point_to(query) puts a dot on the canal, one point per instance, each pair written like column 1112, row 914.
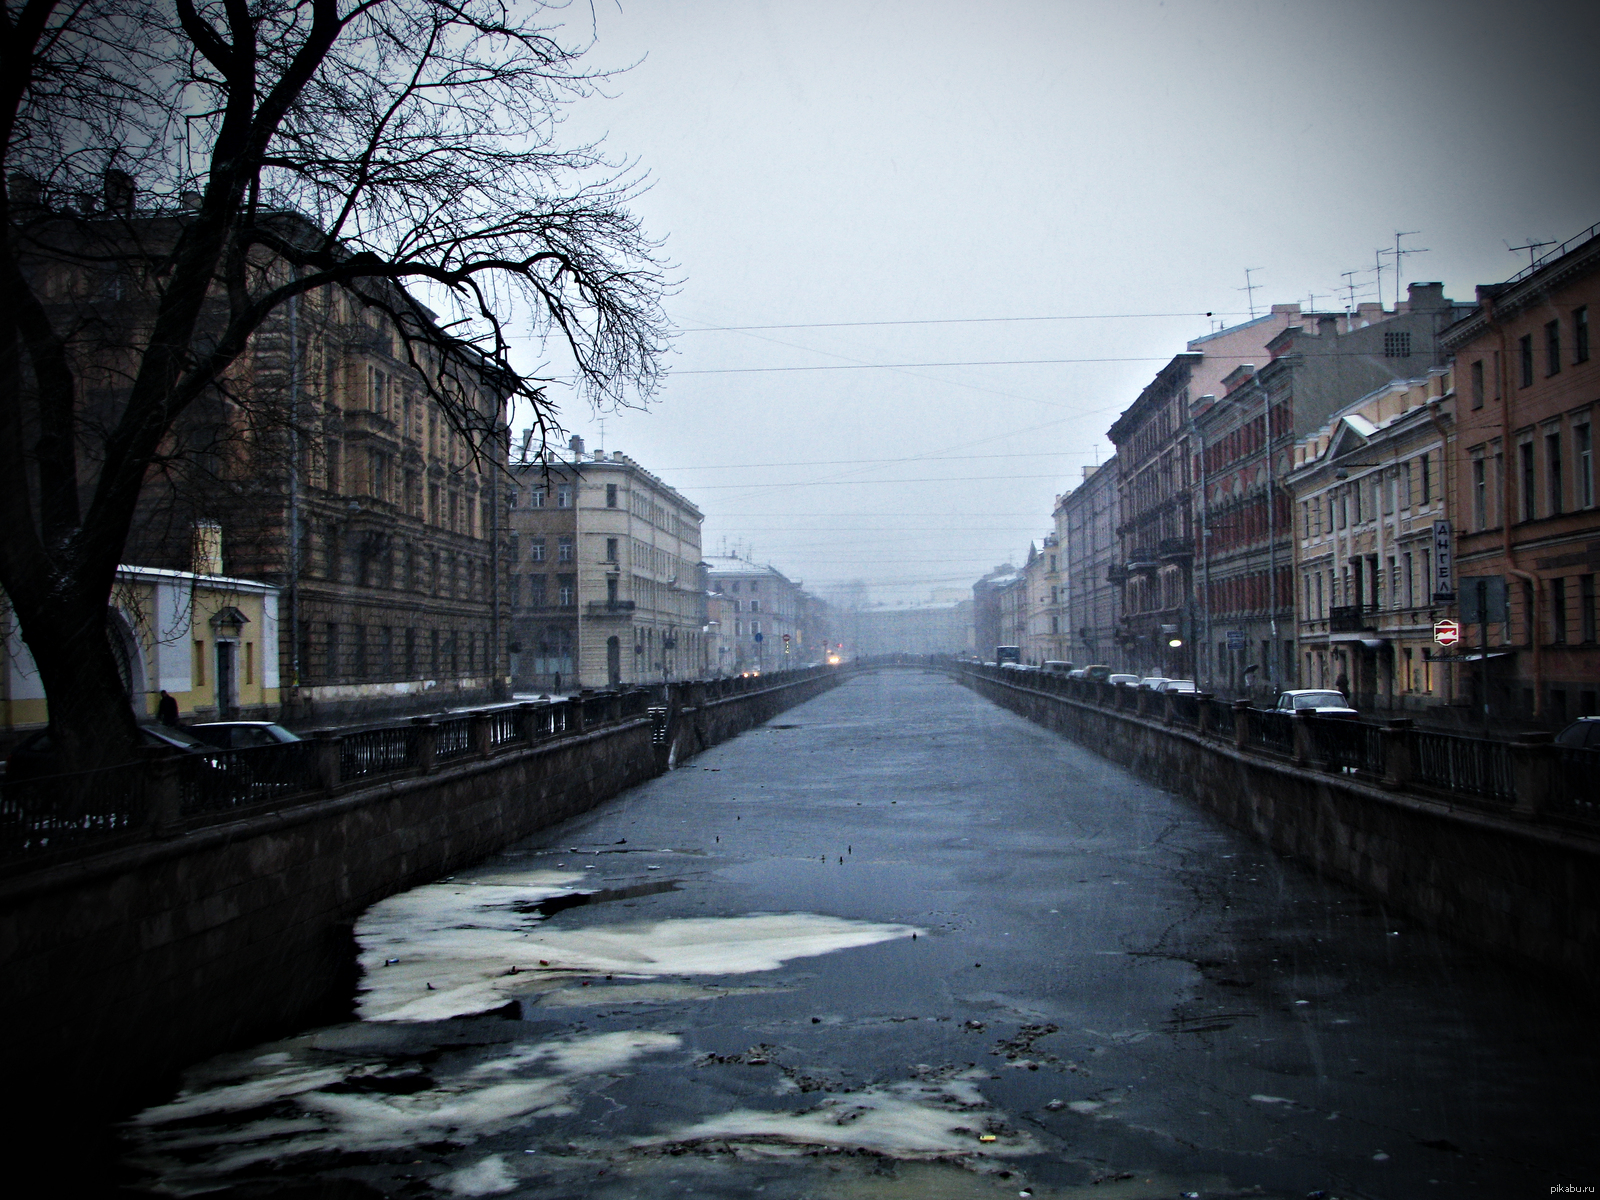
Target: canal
column 897, row 943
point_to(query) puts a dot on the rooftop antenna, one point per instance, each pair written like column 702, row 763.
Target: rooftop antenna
column 1311, row 302
column 1532, row 247
column 602, row 435
column 1377, row 266
column 1249, row 289
column 1349, row 278
column 1399, row 257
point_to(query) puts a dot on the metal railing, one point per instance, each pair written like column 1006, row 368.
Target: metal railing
column 43, row 818
column 1454, row 763
column 1529, row 779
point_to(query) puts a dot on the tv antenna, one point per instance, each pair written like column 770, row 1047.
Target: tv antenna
column 1349, row 278
column 1249, row 288
column 1532, row 247
column 1399, row 256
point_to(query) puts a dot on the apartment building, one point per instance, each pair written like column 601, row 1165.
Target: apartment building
column 1372, row 541
column 606, row 584
column 768, row 621
column 1244, row 438
column 1523, row 483
column 1086, row 539
column 1044, row 636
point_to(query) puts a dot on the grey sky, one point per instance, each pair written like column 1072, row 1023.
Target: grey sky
column 848, row 162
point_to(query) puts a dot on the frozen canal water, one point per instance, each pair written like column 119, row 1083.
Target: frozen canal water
column 899, row 943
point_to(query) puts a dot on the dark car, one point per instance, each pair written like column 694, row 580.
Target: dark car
column 1582, row 734
column 35, row 756
column 242, row 735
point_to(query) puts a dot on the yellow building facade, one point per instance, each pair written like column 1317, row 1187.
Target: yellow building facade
column 209, row 641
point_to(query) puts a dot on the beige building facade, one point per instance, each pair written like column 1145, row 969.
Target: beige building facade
column 1373, row 538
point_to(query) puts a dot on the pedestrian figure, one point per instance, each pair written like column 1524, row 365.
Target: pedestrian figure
column 167, row 709
column 557, row 687
column 1343, row 684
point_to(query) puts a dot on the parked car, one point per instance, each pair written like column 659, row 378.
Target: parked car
column 35, row 756
column 1184, row 686
column 1055, row 666
column 1097, row 673
column 242, row 735
column 1582, row 734
column 1323, row 703
column 1151, row 682
column 1075, row 674
column 1130, row 680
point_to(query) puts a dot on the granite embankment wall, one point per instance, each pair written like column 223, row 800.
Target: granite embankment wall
column 121, row 967
column 1521, row 889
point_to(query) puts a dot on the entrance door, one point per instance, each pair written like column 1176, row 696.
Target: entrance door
column 227, row 680
column 614, row 660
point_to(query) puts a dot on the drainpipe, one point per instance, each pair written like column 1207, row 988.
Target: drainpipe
column 293, row 556
column 1505, row 520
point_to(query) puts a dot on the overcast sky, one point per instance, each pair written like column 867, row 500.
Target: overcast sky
column 1119, row 164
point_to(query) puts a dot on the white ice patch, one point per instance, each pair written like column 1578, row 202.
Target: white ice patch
column 287, row 1110
column 490, row 1177
column 918, row 1119
column 453, row 949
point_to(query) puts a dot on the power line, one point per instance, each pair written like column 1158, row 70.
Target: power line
column 846, row 462
column 954, row 321
column 997, row 362
column 709, row 487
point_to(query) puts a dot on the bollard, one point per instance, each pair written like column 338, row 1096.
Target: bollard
column 1533, row 761
column 525, row 718
column 1202, row 713
column 328, row 746
column 163, row 798
column 1241, row 724
column 1305, row 746
column 427, row 744
column 478, row 733
column 1397, row 740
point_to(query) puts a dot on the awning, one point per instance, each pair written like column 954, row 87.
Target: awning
column 1475, row 656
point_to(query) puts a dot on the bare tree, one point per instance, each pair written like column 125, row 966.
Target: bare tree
column 180, row 169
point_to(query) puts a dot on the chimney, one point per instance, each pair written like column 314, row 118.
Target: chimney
column 576, row 446
column 1328, row 327
column 205, row 548
column 22, row 189
column 1426, row 297
column 117, row 192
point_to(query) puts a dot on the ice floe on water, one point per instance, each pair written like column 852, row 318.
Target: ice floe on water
column 238, row 1111
column 452, row 949
column 941, row 1115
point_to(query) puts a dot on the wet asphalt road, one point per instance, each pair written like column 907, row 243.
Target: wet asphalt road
column 1129, row 999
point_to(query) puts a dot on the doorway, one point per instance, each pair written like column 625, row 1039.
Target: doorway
column 227, row 680
column 613, row 660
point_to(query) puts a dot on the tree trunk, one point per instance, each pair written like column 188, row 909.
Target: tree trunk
column 92, row 723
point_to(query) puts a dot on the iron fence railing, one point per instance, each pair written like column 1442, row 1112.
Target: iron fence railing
column 1272, row 730
column 1341, row 745
column 87, row 811
column 1575, row 782
column 1463, row 764
column 1186, row 710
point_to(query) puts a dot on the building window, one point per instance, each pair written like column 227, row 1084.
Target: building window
column 564, row 496
column 1477, row 383
column 1480, row 494
column 1558, row 611
column 536, row 550
column 1552, row 471
column 1427, row 479
column 1586, row 612
column 611, row 544
column 755, row 606
column 536, row 594
column 1525, row 347
column 755, row 585
column 1580, row 334
column 611, row 495
column 1397, row 345
column 566, row 586
column 1552, row 348
column 755, row 627
column 1529, row 492
column 564, row 549
column 1584, row 453
column 536, row 498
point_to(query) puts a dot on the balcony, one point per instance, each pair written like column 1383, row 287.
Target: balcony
column 1174, row 549
column 1349, row 618
column 609, row 608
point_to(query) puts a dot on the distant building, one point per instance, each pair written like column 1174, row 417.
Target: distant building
column 606, row 582
column 1523, row 484
column 1086, row 538
column 1370, row 511
column 1042, row 638
column 1154, row 440
column 942, row 628
column 994, row 611
column 764, row 626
